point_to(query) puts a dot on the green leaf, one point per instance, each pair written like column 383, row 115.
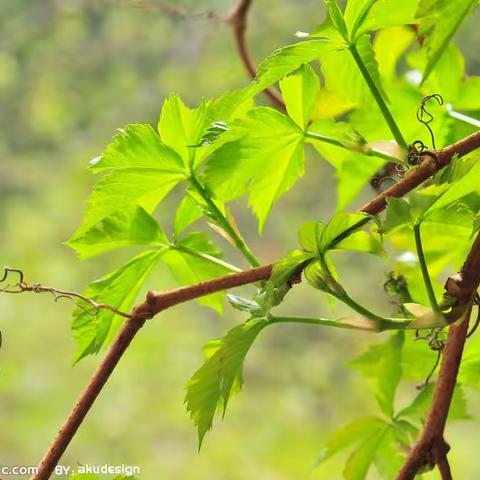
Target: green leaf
column 462, row 187
column 340, row 226
column 438, row 21
column 137, row 146
column 188, row 212
column 195, row 259
column 181, row 127
column 389, row 457
column 343, row 76
column 389, row 373
column 211, row 386
column 362, row 242
column 398, row 215
column 123, row 228
column 143, row 171
column 360, row 460
column 386, row 13
column 284, row 61
column 354, row 173
column 468, row 97
column 284, row 270
column 348, row 436
column 420, row 405
column 337, row 19
column 389, row 46
column 268, row 159
column 119, row 289
column 300, row 91
column 308, row 235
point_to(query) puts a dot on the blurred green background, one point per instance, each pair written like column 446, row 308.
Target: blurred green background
column 71, row 72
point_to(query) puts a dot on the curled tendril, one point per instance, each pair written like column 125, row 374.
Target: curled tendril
column 436, row 342
column 425, row 117
column 79, row 300
column 476, row 301
column 377, row 182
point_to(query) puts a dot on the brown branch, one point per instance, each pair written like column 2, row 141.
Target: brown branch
column 237, row 19
column 159, row 301
column 431, row 448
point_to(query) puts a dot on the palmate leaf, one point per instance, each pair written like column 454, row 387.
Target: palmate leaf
column 300, row 91
column 194, row 259
column 91, row 329
column 389, row 373
column 348, row 436
column 359, row 462
column 267, row 160
column 284, row 61
column 181, row 128
column 142, row 171
column 438, row 21
column 128, row 226
column 342, row 74
column 384, row 13
column 211, row 386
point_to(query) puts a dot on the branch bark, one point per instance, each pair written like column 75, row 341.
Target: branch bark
column 159, row 301
column 237, row 19
column 431, row 448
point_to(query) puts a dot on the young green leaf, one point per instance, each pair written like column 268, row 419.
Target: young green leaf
column 142, row 171
column 348, row 436
column 181, row 128
column 344, row 76
column 123, row 228
column 284, row 269
column 188, row 212
column 337, row 19
column 308, row 235
column 399, row 215
column 438, row 21
column 119, row 289
column 137, row 146
column 195, row 259
column 340, row 226
column 386, row 13
column 211, row 386
column 389, row 373
column 361, row 459
column 269, row 159
column 300, row 91
column 284, row 61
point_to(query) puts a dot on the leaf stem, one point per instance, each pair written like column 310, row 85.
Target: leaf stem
column 206, row 256
column 223, row 221
column 370, row 152
column 392, row 125
column 376, row 325
column 423, row 267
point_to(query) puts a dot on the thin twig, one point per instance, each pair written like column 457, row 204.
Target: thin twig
column 159, row 301
column 237, row 19
column 22, row 287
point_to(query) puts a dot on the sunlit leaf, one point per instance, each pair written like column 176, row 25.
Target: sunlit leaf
column 349, row 436
column 438, row 21
column 194, row 259
column 389, row 373
column 211, row 387
column 300, row 91
column 123, row 228
column 92, row 329
column 267, row 160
